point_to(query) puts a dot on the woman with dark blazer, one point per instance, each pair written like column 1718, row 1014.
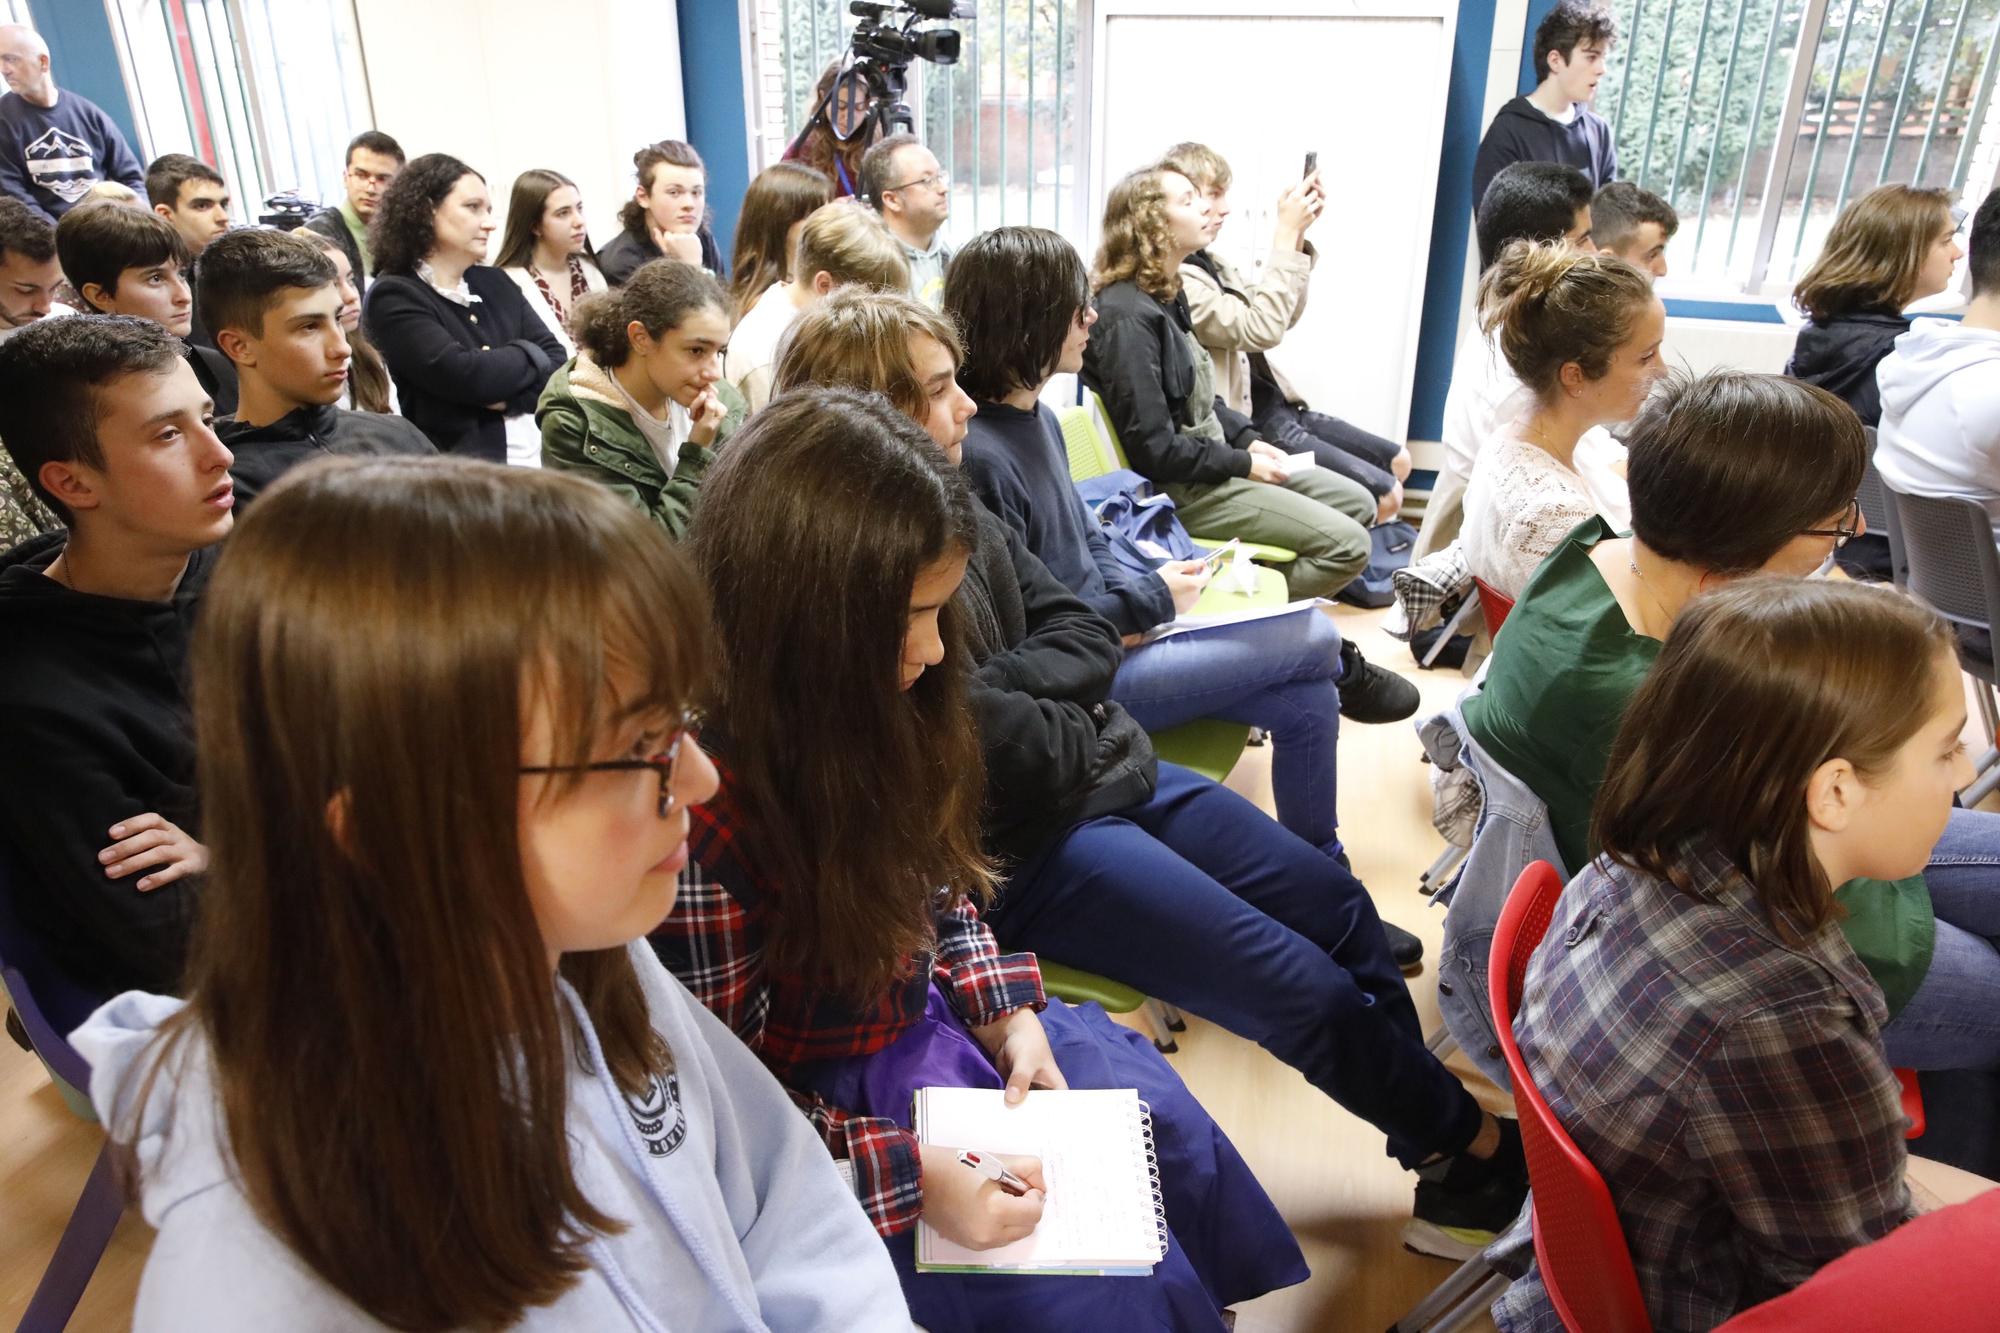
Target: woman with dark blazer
column 468, row 354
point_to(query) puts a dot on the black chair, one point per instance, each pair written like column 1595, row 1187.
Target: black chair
column 49, row 1006
column 1947, row 555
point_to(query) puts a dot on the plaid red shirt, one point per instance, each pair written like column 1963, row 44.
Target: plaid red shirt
column 1730, row 1088
column 715, row 943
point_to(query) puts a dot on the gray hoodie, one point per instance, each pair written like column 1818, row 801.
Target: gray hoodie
column 737, row 1218
column 1940, row 431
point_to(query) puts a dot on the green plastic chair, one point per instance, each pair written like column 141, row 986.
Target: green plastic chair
column 1074, row 986
column 1093, row 452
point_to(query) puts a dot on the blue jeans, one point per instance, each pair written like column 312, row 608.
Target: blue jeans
column 1196, row 897
column 1953, row 1020
column 1278, row 674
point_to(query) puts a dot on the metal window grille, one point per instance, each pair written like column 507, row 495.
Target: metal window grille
column 1759, row 119
column 16, row 11
column 267, row 91
column 1005, row 121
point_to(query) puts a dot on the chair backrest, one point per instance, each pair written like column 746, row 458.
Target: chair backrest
column 1953, row 564
column 49, row 1004
column 1493, row 606
column 1087, row 455
column 1579, row 1243
column 1106, row 432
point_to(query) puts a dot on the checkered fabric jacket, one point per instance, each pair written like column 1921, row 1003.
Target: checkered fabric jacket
column 1731, row 1089
column 715, row 943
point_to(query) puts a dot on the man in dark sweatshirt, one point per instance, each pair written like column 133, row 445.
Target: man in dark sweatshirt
column 54, row 145
column 276, row 310
column 97, row 801
column 1554, row 123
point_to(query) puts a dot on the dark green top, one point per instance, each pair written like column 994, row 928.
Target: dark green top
column 1561, row 673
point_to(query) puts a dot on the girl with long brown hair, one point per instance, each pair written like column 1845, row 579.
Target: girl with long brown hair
column 832, row 915
column 1794, row 736
column 767, row 230
column 428, row 1074
column 1894, row 245
column 546, row 249
column 667, row 215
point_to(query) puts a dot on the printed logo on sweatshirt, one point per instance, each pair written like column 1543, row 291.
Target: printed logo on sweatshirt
column 60, row 163
column 659, row 1116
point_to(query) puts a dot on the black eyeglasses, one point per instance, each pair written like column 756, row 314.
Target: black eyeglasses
column 1850, row 527
column 667, row 763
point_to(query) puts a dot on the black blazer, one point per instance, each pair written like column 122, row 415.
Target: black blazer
column 451, row 363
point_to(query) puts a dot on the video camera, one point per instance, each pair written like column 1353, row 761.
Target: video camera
column 867, row 99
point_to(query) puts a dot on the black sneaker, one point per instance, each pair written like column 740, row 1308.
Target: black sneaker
column 1463, row 1203
column 1405, row 948
column 1370, row 694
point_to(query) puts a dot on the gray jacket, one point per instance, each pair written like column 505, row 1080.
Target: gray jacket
column 1512, row 832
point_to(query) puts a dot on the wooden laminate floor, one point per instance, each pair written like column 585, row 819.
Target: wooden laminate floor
column 1346, row 1201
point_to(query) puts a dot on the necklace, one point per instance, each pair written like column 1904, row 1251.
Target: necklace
column 1659, row 603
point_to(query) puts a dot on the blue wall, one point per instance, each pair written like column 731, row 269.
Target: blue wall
column 712, row 84
column 1530, row 76
column 1451, row 218
column 85, row 60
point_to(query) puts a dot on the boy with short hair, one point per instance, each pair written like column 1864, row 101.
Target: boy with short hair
column 1633, row 224
column 109, row 425
column 125, row 262
column 29, row 277
column 1553, row 123
column 191, row 195
column 275, row 302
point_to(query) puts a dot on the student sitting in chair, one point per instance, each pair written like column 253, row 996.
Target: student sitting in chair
column 1134, row 869
column 1634, row 225
column 274, row 303
column 1159, row 390
column 97, row 800
column 428, row 1074
column 1793, row 736
column 1241, row 323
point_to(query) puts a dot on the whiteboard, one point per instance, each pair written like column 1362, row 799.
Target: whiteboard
column 1363, row 83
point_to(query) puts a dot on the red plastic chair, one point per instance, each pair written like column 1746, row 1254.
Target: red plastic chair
column 1493, row 606
column 1578, row 1241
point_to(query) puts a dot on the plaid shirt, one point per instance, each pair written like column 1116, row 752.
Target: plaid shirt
column 715, row 943
column 1732, row 1090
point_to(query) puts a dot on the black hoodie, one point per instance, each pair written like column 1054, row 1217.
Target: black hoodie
column 1841, row 355
column 94, row 728
column 265, row 453
column 1523, row 132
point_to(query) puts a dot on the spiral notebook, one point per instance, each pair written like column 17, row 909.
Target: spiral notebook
column 1103, row 1215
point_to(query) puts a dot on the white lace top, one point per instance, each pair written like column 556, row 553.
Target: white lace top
column 1519, row 505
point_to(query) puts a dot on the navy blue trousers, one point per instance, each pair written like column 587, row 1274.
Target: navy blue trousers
column 1199, row 898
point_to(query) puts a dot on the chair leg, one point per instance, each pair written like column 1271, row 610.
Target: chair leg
column 91, row 1223
column 1475, row 1307
column 1468, row 609
column 1157, row 1012
column 1450, row 1295
column 1440, row 870
column 1441, row 1043
column 1172, row 1016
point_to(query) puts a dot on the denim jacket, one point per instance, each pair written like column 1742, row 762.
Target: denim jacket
column 1512, row 832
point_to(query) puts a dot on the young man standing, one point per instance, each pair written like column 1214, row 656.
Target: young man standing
column 125, row 262
column 275, row 302
column 1940, row 429
column 373, row 159
column 1633, row 224
column 1554, row 123
column 97, row 803
column 904, row 182
column 192, row 196
column 54, row 145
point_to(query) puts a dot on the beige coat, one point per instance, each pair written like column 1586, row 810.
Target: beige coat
column 1232, row 326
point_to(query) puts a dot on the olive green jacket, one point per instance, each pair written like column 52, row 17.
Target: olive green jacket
column 587, row 429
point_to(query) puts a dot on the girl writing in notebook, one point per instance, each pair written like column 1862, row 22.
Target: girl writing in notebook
column 428, row 1074
column 831, row 915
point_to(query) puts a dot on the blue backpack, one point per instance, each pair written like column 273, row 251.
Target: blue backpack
column 1141, row 524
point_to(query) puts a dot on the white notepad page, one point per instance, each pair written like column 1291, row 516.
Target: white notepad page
column 1102, row 1213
